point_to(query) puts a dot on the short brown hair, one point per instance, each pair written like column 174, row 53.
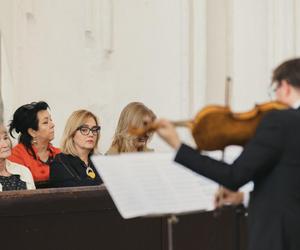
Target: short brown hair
column 76, row 120
column 289, row 71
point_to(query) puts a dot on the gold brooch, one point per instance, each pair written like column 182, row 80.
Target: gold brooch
column 90, row 172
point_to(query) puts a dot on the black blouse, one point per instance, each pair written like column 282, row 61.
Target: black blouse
column 70, row 171
column 12, row 182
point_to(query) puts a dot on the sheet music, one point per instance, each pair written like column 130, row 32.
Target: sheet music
column 153, row 184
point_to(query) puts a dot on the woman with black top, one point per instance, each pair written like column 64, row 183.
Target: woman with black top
column 73, row 167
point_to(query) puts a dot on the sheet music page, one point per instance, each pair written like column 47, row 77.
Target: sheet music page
column 153, row 184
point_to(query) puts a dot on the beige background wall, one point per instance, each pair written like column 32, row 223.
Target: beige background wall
column 173, row 55
column 246, row 40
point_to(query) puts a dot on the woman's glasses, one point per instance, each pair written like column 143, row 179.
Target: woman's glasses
column 272, row 90
column 85, row 130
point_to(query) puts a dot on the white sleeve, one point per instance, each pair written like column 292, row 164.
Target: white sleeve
column 28, row 179
column 246, row 189
column 24, row 172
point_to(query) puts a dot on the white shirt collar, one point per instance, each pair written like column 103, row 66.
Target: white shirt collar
column 296, row 104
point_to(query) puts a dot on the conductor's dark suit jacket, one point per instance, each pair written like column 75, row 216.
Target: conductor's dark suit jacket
column 272, row 160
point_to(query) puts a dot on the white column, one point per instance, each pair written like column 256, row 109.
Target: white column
column 198, row 55
column 297, row 26
column 218, row 37
column 193, row 61
column 250, row 53
column 282, row 30
column 246, row 39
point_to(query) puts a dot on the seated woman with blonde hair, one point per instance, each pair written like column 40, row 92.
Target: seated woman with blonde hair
column 73, row 167
column 13, row 176
column 137, row 115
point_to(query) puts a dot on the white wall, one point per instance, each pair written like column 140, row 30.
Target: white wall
column 99, row 55
column 250, row 73
column 246, row 40
column 173, row 55
column 217, row 50
column 297, row 25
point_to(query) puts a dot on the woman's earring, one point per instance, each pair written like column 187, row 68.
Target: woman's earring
column 34, row 141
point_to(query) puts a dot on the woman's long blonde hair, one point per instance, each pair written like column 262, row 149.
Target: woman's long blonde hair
column 131, row 115
column 76, row 120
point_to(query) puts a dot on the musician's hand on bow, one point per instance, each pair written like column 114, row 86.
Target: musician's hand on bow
column 225, row 196
column 166, row 130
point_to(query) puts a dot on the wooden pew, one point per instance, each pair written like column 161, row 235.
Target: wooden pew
column 86, row 218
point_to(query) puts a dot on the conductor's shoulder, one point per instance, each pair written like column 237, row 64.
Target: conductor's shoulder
column 279, row 116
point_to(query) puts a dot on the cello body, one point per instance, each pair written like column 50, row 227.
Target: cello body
column 216, row 127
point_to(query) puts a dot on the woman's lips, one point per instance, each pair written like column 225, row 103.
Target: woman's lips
column 5, row 150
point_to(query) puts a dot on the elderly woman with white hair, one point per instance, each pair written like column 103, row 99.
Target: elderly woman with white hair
column 13, row 176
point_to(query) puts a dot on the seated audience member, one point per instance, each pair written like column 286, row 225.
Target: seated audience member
column 137, row 115
column 12, row 176
column 35, row 127
column 73, row 167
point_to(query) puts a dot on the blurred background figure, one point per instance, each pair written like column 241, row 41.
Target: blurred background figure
column 135, row 115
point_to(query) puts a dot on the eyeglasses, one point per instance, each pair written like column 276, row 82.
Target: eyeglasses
column 272, row 90
column 84, row 130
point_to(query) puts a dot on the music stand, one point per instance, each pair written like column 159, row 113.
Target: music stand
column 152, row 184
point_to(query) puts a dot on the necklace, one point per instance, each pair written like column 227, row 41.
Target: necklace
column 90, row 172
